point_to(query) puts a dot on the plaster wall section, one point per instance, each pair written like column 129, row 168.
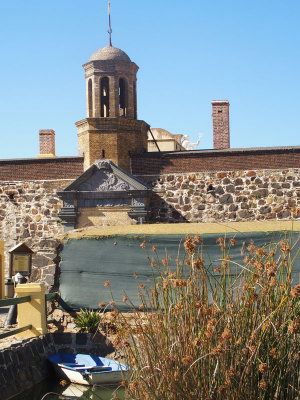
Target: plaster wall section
column 232, row 196
column 96, row 97
column 113, row 96
column 103, row 216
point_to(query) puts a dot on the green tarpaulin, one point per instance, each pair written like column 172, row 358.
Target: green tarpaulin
column 87, row 263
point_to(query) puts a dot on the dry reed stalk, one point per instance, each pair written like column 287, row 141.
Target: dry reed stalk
column 234, row 335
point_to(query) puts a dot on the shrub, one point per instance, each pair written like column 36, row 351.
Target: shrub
column 229, row 333
column 88, row 321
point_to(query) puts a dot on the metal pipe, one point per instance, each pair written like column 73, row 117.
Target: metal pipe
column 154, row 139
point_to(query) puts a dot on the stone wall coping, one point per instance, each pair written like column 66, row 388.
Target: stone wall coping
column 15, row 181
column 196, row 173
column 184, row 153
column 184, row 228
column 220, row 101
column 39, row 160
column 31, row 288
column 111, row 122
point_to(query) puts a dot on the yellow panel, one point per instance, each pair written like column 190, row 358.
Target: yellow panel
column 33, row 312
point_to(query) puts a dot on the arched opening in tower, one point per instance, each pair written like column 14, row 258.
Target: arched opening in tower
column 122, row 98
column 104, row 94
column 90, row 98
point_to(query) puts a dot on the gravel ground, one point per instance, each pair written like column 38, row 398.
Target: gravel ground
column 6, row 342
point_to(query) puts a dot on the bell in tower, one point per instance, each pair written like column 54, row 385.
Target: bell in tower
column 111, row 129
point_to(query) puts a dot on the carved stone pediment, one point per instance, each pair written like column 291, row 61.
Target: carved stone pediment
column 104, row 184
column 104, row 179
column 105, row 176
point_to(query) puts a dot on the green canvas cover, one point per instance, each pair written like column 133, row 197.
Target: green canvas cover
column 87, row 263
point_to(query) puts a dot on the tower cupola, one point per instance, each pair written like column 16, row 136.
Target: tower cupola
column 111, row 84
column 111, row 129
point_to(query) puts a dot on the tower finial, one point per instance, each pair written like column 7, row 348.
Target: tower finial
column 109, row 26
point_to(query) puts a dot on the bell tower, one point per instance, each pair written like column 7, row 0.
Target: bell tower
column 111, row 129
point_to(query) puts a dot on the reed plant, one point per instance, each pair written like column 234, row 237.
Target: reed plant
column 230, row 331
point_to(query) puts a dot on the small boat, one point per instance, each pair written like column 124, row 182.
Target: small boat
column 74, row 391
column 86, row 369
column 84, row 392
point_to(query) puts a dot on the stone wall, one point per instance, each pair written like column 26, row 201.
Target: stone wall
column 24, row 364
column 29, row 209
column 226, row 196
column 29, row 213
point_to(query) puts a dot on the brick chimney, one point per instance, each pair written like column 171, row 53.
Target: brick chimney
column 47, row 143
column 220, row 117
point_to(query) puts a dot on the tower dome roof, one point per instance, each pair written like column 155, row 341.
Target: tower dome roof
column 110, row 53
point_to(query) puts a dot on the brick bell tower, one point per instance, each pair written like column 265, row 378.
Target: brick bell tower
column 111, row 129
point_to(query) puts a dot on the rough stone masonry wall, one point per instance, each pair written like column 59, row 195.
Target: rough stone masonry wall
column 29, row 209
column 24, row 364
column 29, row 213
column 226, row 196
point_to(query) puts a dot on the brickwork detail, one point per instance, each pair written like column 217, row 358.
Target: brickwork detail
column 111, row 138
column 220, row 117
column 41, row 168
column 252, row 195
column 47, row 142
column 215, row 160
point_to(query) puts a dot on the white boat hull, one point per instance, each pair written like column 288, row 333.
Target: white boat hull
column 110, row 372
column 89, row 378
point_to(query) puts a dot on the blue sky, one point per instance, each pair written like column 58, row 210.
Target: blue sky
column 189, row 53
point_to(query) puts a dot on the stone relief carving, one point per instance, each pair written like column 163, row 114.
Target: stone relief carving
column 138, row 202
column 68, row 204
column 103, row 164
column 103, row 202
column 104, row 180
